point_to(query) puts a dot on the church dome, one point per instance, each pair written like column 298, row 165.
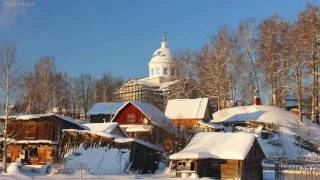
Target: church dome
column 161, row 63
column 162, row 54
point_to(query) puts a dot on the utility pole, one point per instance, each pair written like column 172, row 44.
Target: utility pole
column 111, row 112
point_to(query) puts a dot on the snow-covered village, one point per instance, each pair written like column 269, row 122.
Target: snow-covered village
column 159, row 90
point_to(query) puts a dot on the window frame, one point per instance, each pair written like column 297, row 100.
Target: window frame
column 165, row 71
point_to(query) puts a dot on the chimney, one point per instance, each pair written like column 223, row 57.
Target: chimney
column 256, row 98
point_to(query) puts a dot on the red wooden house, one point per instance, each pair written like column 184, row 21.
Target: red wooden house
column 145, row 121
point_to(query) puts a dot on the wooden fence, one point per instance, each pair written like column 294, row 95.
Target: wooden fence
column 297, row 172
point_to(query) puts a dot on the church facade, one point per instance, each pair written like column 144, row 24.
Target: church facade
column 163, row 72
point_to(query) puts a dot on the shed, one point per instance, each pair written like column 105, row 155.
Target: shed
column 143, row 156
column 221, row 156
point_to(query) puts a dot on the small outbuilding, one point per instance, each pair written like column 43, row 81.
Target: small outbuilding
column 221, row 156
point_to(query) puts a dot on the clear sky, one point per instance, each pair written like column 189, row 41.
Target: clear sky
column 120, row 36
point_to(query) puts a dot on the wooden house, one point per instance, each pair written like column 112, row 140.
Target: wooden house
column 143, row 158
column 221, row 156
column 36, row 137
column 145, row 122
column 104, row 111
column 185, row 113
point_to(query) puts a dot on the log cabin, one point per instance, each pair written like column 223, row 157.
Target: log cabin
column 185, row 113
column 145, row 122
column 35, row 138
column 104, row 111
column 221, row 156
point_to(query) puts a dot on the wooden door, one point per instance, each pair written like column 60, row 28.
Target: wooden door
column 42, row 155
column 15, row 153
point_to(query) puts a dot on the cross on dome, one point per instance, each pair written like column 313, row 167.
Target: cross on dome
column 164, row 36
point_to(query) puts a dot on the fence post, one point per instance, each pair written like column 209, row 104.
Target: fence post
column 276, row 168
column 80, row 167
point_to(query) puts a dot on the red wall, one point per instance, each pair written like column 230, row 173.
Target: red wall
column 121, row 117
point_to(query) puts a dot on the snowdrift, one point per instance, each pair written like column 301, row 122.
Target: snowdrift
column 99, row 161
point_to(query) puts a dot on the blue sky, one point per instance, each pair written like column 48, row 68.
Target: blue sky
column 120, row 36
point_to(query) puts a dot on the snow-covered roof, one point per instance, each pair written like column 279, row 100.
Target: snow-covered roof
column 98, row 133
column 138, row 128
column 104, row 127
column 104, row 108
column 156, row 116
column 39, row 116
column 162, row 55
column 217, row 146
column 269, row 114
column 35, row 142
column 186, row 108
column 124, row 140
column 212, row 125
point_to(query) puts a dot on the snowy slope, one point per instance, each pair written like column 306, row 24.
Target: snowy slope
column 100, row 161
column 270, row 114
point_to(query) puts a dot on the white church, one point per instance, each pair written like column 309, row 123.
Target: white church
column 163, row 72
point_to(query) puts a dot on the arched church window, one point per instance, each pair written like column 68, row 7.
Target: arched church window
column 172, row 72
column 151, row 71
column 165, row 71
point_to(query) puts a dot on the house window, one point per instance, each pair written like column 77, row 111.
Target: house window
column 172, row 72
column 131, row 117
column 165, row 71
column 151, row 71
column 185, row 166
column 157, row 71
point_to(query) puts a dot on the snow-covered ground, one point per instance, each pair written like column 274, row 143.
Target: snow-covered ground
column 267, row 175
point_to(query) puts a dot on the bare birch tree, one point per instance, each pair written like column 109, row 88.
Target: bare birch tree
column 11, row 75
column 310, row 19
column 247, row 41
column 86, row 86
